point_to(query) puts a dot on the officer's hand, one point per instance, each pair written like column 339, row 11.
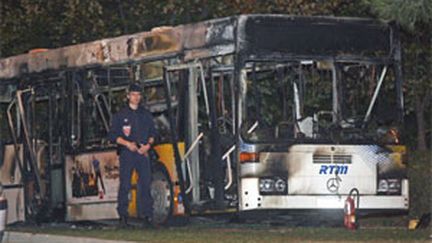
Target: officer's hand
column 144, row 149
column 132, row 146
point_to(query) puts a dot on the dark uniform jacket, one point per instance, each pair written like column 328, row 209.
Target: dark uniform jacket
column 132, row 125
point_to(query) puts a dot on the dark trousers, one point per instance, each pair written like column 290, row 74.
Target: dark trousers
column 129, row 162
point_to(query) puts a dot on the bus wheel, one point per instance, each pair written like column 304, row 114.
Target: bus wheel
column 162, row 194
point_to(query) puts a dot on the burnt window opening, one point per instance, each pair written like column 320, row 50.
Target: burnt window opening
column 318, row 100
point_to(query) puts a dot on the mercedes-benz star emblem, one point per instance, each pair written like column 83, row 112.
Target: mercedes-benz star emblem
column 333, row 185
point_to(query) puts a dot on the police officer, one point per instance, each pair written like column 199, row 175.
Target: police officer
column 132, row 128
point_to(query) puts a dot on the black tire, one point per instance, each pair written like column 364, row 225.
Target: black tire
column 162, row 194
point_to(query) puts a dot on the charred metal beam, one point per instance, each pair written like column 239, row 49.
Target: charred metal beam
column 174, row 140
column 397, row 55
column 216, row 153
column 28, row 143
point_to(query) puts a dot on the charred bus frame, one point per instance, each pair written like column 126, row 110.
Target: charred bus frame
column 210, row 86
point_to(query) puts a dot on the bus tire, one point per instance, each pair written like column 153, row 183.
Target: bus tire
column 162, row 194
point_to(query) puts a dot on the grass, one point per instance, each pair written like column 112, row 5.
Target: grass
column 221, row 232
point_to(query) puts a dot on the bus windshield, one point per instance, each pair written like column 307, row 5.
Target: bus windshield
column 317, row 101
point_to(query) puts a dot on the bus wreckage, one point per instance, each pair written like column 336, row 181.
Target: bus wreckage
column 254, row 113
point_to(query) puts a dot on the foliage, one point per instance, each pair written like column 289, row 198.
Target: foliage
column 415, row 18
column 410, row 14
column 420, row 175
column 29, row 24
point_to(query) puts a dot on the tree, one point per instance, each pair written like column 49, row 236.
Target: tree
column 27, row 24
column 415, row 18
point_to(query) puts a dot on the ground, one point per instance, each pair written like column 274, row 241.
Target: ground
column 211, row 229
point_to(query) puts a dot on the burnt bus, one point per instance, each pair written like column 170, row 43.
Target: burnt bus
column 254, row 113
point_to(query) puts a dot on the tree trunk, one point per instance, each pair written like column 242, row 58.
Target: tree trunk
column 421, row 127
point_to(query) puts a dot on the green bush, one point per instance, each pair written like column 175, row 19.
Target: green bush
column 420, row 177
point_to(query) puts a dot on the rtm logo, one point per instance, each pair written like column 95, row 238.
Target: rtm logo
column 333, row 169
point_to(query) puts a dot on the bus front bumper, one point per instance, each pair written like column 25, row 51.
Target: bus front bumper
column 251, row 199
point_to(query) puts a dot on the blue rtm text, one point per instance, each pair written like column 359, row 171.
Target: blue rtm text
column 333, row 169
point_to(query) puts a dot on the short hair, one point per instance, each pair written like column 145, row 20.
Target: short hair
column 134, row 87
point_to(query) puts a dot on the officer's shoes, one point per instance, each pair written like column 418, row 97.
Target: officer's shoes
column 123, row 222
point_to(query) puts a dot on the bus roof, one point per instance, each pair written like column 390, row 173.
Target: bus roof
column 252, row 35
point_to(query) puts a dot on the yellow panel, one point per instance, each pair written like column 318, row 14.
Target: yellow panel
column 397, row 148
column 132, row 207
column 134, row 177
column 398, row 155
column 166, row 156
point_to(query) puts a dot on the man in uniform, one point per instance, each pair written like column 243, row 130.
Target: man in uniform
column 132, row 128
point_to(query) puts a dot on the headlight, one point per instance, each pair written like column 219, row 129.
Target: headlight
column 389, row 186
column 382, row 186
column 394, row 185
column 273, row 186
column 280, row 185
column 266, row 185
